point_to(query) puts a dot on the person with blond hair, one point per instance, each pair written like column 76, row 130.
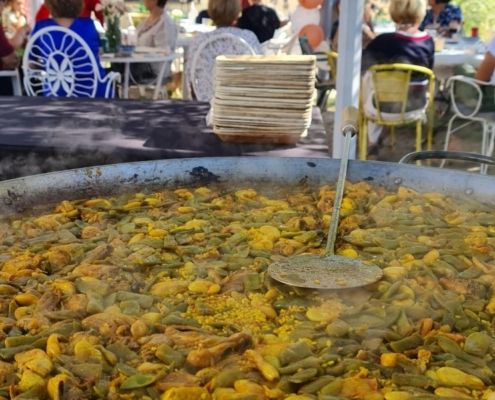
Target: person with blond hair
column 407, row 45
column 224, row 14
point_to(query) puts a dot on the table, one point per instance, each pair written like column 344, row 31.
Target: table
column 46, row 134
column 140, row 58
column 455, row 55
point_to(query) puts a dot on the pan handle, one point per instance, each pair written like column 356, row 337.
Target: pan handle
column 443, row 155
column 350, row 120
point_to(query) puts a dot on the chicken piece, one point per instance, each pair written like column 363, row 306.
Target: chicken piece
column 177, row 379
column 98, row 253
column 49, row 301
column 35, row 360
column 107, row 323
column 99, row 271
column 6, row 371
column 206, row 357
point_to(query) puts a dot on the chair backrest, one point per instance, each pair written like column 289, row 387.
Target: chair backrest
column 332, row 64
column 392, row 84
column 203, row 61
column 469, row 96
column 58, row 62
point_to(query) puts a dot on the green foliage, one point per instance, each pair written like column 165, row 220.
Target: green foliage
column 480, row 13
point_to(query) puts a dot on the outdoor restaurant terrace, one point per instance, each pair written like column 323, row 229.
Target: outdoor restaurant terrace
column 247, row 199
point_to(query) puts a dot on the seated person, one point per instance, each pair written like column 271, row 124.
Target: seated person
column 406, row 45
column 14, row 17
column 445, row 18
column 8, row 56
column 368, row 31
column 66, row 14
column 88, row 8
column 158, row 30
column 260, row 19
column 224, row 14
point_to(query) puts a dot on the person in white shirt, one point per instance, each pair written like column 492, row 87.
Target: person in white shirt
column 158, row 30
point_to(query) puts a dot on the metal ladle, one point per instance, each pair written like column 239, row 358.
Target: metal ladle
column 329, row 271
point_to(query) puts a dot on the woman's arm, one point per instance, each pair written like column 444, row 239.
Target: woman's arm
column 19, row 38
column 165, row 35
column 486, row 69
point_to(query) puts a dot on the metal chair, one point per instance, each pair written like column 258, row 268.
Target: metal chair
column 389, row 97
column 203, row 61
column 58, row 62
column 326, row 62
column 472, row 101
column 16, row 80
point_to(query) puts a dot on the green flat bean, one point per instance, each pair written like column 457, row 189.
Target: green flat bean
column 304, row 375
column 411, row 380
column 308, row 362
column 449, row 346
column 295, row 352
column 407, row 343
column 316, row 385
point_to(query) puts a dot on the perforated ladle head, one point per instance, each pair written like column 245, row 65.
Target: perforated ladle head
column 329, row 271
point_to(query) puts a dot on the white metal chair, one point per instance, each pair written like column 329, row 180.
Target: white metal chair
column 16, row 80
column 58, row 62
column 203, row 61
column 468, row 98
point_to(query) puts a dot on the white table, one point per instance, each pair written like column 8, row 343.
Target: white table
column 140, row 58
column 456, row 54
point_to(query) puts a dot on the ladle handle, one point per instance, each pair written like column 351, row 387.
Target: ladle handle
column 349, row 129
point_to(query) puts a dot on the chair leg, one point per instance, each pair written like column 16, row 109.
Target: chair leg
column 484, row 144
column 418, row 135
column 321, row 99
column 491, row 145
column 429, row 134
column 363, row 139
column 447, row 138
column 393, row 137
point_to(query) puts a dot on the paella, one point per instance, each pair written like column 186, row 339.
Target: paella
column 164, row 295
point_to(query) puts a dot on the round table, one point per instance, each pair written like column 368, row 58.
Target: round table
column 448, row 58
column 155, row 57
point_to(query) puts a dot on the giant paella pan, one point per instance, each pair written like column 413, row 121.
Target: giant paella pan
column 148, row 281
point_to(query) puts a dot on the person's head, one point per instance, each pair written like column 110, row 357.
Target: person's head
column 407, row 12
column 224, row 12
column 15, row 5
column 151, row 4
column 65, row 8
column 370, row 9
column 432, row 3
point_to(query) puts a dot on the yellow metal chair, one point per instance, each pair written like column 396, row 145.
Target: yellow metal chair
column 391, row 84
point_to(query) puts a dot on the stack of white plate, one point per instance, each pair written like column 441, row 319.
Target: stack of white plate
column 263, row 99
